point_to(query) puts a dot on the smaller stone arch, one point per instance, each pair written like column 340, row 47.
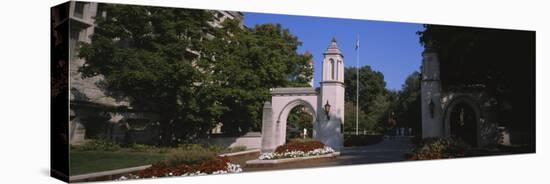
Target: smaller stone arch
column 463, row 100
column 286, row 109
column 283, row 116
column 275, row 114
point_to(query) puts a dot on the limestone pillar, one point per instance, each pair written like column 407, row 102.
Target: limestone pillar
column 268, row 129
column 432, row 112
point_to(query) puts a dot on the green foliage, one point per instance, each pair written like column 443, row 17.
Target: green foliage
column 373, row 99
column 297, row 120
column 250, row 61
column 96, row 145
column 187, row 156
column 371, row 84
column 191, row 147
column 216, row 148
column 350, row 121
column 173, row 62
column 376, row 112
column 163, row 150
column 437, row 148
column 140, row 147
column 146, row 55
column 235, row 149
column 406, row 107
column 300, row 140
column 485, row 59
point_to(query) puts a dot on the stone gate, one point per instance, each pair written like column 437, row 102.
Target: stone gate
column 327, row 107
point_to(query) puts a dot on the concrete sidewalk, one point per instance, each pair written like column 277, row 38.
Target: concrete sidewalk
column 106, row 175
column 389, row 150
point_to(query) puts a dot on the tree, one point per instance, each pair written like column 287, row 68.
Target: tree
column 194, row 75
column 297, row 120
column 350, row 121
column 499, row 62
column 249, row 62
column 406, row 108
column 373, row 99
column 150, row 57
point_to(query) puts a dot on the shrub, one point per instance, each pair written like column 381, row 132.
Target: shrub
column 300, row 140
column 190, row 147
column 140, row 147
column 200, row 147
column 216, row 148
column 73, row 147
column 97, row 145
column 188, row 156
column 236, row 149
column 299, row 146
column 163, row 150
column 437, row 148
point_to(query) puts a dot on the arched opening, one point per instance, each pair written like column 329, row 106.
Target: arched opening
column 299, row 123
column 301, row 106
column 463, row 123
column 332, row 68
column 337, row 69
column 340, row 65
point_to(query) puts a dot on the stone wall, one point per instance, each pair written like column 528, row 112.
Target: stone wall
column 251, row 140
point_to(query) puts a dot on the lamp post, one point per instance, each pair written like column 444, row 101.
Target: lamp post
column 327, row 110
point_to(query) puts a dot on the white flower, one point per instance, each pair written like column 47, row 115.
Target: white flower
column 233, row 168
column 295, row 154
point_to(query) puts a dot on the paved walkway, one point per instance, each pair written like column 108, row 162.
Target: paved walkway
column 386, row 151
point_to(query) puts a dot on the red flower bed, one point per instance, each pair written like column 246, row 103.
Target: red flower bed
column 299, row 146
column 160, row 170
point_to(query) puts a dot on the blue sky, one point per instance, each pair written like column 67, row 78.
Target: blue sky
column 389, row 47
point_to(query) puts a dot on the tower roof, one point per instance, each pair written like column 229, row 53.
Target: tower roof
column 333, row 48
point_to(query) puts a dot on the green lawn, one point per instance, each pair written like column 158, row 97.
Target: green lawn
column 82, row 162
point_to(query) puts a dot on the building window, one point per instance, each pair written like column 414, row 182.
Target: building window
column 74, row 37
column 332, row 68
column 79, row 10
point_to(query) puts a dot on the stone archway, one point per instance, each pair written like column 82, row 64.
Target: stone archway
column 326, row 125
column 462, row 119
column 285, row 112
column 275, row 114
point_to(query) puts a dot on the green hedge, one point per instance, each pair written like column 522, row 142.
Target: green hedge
column 96, row 145
column 438, row 148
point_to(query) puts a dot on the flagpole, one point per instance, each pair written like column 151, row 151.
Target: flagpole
column 357, row 87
